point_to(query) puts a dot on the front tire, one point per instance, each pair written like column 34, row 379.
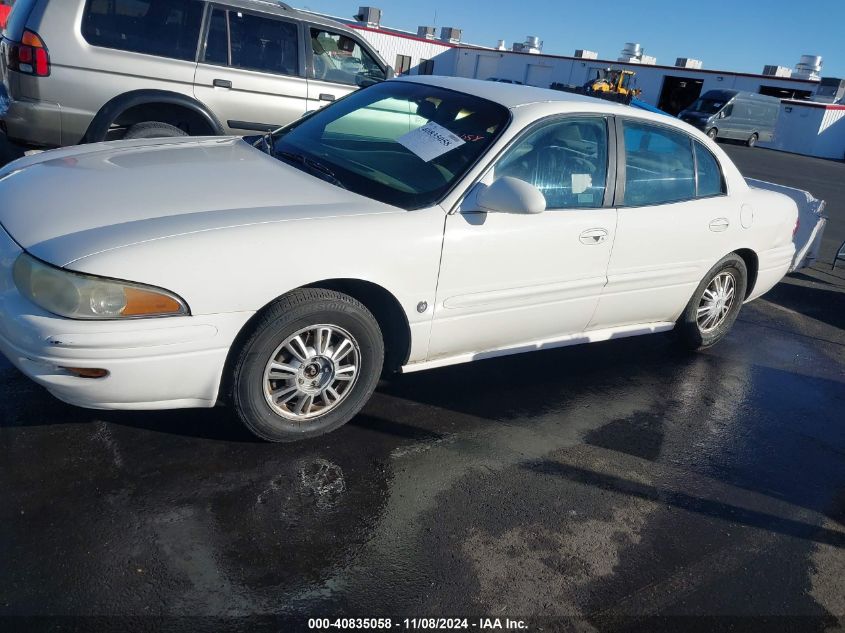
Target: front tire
column 715, row 305
column 752, row 140
column 713, row 133
column 310, row 364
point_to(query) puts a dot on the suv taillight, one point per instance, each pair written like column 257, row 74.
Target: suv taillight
column 29, row 56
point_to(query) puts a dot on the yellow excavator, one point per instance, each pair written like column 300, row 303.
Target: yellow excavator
column 613, row 84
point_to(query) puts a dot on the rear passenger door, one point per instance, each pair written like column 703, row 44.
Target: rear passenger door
column 251, row 70
column 337, row 65
column 674, row 223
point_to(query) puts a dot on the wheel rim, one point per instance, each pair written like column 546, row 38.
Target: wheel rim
column 312, row 372
column 712, row 133
column 716, row 302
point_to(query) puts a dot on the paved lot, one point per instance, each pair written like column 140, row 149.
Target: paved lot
column 617, row 486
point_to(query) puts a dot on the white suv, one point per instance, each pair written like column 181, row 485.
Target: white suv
column 150, row 68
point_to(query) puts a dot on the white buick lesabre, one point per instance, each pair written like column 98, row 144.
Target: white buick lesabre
column 414, row 224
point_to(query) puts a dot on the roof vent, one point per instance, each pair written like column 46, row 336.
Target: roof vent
column 501, row 46
column 582, row 53
column 773, row 70
column 371, row 16
column 428, row 32
column 809, row 67
column 532, row 44
column 450, row 34
column 688, row 62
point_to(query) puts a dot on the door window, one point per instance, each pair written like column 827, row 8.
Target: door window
column 340, row 59
column 709, row 176
column 659, row 165
column 168, row 28
column 565, row 160
column 254, row 42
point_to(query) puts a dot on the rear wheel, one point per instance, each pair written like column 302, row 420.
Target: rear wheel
column 715, row 305
column 311, row 363
column 752, row 140
column 153, row 129
column 713, row 133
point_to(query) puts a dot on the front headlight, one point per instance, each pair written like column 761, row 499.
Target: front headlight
column 77, row 296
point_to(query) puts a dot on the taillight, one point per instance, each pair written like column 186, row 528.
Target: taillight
column 29, row 56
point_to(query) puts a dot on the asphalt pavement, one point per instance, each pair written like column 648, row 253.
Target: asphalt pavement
column 619, row 486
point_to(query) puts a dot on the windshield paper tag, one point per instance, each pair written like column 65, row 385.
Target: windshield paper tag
column 430, row 141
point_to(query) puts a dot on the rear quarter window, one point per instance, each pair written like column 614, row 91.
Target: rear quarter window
column 167, row 28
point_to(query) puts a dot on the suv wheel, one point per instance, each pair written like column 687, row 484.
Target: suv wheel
column 715, row 305
column 311, row 363
column 153, row 129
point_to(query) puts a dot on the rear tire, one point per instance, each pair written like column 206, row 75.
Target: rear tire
column 153, row 129
column 715, row 304
column 752, row 140
column 312, row 361
column 713, row 133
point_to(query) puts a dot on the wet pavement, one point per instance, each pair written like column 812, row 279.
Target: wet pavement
column 617, row 486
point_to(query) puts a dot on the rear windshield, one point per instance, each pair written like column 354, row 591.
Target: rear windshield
column 167, row 28
column 17, row 19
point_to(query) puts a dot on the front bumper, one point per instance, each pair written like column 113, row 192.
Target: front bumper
column 164, row 363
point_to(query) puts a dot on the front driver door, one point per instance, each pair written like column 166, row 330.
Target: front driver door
column 513, row 279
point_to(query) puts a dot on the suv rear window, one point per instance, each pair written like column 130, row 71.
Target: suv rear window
column 167, row 28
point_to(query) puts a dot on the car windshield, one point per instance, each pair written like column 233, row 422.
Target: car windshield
column 708, row 106
column 402, row 143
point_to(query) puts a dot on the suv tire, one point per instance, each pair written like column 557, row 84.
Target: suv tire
column 153, row 129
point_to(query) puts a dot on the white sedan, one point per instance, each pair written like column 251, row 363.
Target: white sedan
column 415, row 224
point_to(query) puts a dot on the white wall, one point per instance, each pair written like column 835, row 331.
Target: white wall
column 389, row 45
column 810, row 129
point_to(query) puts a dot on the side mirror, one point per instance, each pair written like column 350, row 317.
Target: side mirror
column 722, row 114
column 511, row 195
column 389, row 73
column 840, row 256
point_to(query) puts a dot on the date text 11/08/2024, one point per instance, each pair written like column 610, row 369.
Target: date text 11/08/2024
column 418, row 624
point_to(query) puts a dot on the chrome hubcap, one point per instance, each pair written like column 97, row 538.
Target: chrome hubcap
column 311, row 372
column 716, row 302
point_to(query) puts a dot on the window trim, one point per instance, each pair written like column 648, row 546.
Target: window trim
column 309, row 51
column 190, row 60
column 619, row 196
column 206, row 30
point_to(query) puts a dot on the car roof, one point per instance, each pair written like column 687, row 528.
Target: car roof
column 508, row 94
column 517, row 96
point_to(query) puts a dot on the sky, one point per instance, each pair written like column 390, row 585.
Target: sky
column 740, row 36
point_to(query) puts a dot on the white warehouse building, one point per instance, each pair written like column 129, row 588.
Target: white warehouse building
column 670, row 88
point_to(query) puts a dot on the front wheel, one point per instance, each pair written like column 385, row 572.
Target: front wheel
column 713, row 133
column 752, row 140
column 311, row 363
column 715, row 305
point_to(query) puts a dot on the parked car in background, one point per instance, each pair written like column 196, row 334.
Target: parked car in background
column 418, row 223
column 93, row 70
column 733, row 114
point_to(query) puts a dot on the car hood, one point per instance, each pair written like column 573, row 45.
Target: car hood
column 66, row 204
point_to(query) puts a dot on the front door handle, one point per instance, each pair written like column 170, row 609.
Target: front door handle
column 593, row 236
column 719, row 224
column 221, row 83
column 325, row 96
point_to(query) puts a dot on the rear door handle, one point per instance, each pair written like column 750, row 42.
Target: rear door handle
column 719, row 224
column 222, row 83
column 593, row 236
column 325, row 96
